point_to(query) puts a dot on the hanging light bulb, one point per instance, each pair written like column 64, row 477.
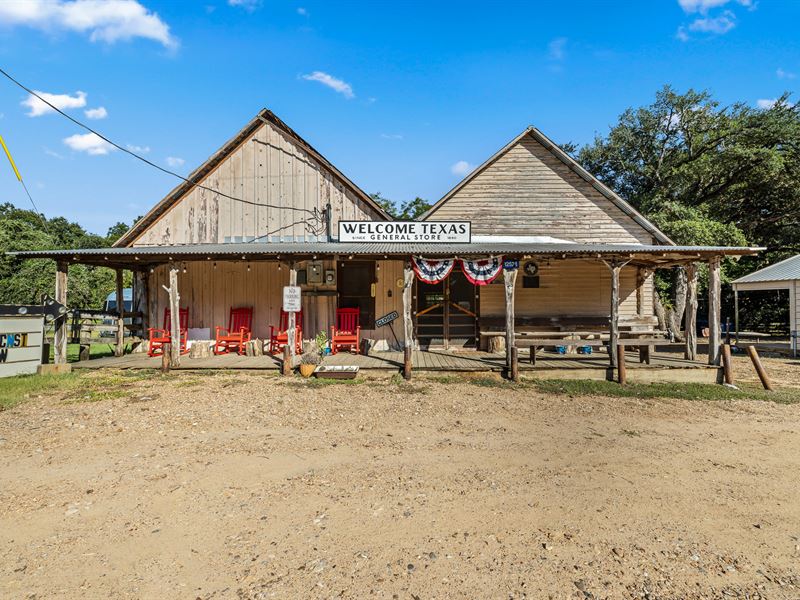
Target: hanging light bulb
column 248, row 267
column 377, row 266
column 215, row 265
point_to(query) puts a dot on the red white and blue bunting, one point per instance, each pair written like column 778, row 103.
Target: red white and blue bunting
column 482, row 271
column 432, row 271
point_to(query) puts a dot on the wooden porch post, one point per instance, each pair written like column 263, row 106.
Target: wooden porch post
column 291, row 329
column 408, row 325
column 736, row 312
column 690, row 320
column 509, row 278
column 614, row 266
column 714, row 292
column 141, row 300
column 60, row 335
column 175, row 318
column 641, row 277
column 119, row 349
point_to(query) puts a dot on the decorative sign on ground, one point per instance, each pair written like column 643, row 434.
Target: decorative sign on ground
column 435, row 232
column 386, row 319
column 291, row 299
column 20, row 344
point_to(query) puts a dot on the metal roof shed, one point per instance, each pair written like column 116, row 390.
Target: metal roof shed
column 784, row 275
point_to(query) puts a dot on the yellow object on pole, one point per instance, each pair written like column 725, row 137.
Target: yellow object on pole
column 11, row 160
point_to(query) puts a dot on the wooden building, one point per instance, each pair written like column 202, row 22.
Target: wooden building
column 265, row 211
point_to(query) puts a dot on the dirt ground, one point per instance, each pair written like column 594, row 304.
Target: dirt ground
column 245, row 486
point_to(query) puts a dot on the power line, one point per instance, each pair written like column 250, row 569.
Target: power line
column 143, row 159
column 19, row 178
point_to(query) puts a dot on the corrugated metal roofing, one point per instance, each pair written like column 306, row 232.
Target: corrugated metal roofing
column 786, row 270
column 254, row 250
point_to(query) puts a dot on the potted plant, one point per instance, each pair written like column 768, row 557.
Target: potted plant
column 322, row 342
column 308, row 362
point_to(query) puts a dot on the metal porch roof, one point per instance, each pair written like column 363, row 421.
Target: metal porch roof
column 785, row 270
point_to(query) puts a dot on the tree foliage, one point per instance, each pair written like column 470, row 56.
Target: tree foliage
column 26, row 281
column 708, row 174
column 406, row 211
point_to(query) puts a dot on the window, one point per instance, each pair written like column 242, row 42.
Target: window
column 354, row 284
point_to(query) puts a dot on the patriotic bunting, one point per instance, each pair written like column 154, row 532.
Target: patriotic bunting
column 432, row 271
column 483, row 271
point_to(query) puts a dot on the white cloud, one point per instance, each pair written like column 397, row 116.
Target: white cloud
column 681, row 34
column 336, row 84
column 392, row 136
column 248, row 5
column 556, row 49
column 174, row 161
column 766, row 102
column 138, row 149
column 461, row 168
column 103, row 20
column 302, row 12
column 703, row 6
column 52, row 153
column 719, row 25
column 37, row 108
column 91, row 143
column 96, row 113
column 782, row 74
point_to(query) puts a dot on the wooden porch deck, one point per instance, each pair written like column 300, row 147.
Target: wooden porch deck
column 663, row 367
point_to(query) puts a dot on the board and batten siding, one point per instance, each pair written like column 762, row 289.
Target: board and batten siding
column 569, row 288
column 529, row 191
column 209, row 293
column 274, row 176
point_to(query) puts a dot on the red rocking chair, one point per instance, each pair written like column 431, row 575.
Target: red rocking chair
column 347, row 332
column 278, row 336
column 238, row 332
column 159, row 337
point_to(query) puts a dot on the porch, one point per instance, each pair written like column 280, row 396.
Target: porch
column 664, row 366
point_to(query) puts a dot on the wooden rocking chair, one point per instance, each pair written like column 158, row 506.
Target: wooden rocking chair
column 238, row 332
column 278, row 336
column 159, row 337
column 347, row 332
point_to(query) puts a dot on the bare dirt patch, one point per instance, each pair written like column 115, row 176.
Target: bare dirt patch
column 244, row 486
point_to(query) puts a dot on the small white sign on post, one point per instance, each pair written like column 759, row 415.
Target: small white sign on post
column 291, row 299
column 20, row 344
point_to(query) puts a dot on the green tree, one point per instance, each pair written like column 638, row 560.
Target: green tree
column 407, row 211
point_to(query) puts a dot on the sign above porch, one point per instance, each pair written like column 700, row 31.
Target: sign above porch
column 435, row 232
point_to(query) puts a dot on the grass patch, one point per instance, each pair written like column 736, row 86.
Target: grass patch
column 680, row 391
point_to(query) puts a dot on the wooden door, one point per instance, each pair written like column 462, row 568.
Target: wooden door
column 446, row 314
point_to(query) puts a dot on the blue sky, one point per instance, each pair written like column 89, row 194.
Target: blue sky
column 403, row 97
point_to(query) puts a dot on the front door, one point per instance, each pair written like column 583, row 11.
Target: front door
column 447, row 313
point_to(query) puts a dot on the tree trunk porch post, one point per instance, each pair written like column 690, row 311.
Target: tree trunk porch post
column 690, row 318
column 509, row 279
column 175, row 318
column 119, row 348
column 291, row 329
column 60, row 333
column 408, row 325
column 714, row 292
column 615, row 266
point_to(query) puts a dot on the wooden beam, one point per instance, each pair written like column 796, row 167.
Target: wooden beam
column 641, row 277
column 175, row 318
column 690, row 317
column 509, row 278
column 119, row 348
column 60, row 335
column 727, row 365
column 622, row 371
column 408, row 325
column 714, row 300
column 762, row 373
column 615, row 266
column 291, row 329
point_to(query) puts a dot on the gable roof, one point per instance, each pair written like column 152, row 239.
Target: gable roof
column 574, row 166
column 785, row 270
column 197, row 176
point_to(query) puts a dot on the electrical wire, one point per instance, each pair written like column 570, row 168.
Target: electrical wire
column 142, row 158
column 19, row 178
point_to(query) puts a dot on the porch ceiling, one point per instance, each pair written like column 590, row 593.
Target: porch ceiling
column 136, row 257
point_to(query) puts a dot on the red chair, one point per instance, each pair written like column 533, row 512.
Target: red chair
column 159, row 337
column 347, row 332
column 238, row 332
column 278, row 337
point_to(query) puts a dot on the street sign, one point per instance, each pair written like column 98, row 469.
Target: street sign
column 511, row 264
column 291, row 299
column 386, row 319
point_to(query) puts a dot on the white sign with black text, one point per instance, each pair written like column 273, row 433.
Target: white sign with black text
column 436, row 232
column 291, row 299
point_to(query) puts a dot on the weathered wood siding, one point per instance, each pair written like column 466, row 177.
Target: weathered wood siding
column 528, row 191
column 275, row 171
column 569, row 288
column 209, row 293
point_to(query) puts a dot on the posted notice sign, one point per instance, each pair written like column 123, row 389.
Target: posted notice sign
column 436, row 232
column 291, row 299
